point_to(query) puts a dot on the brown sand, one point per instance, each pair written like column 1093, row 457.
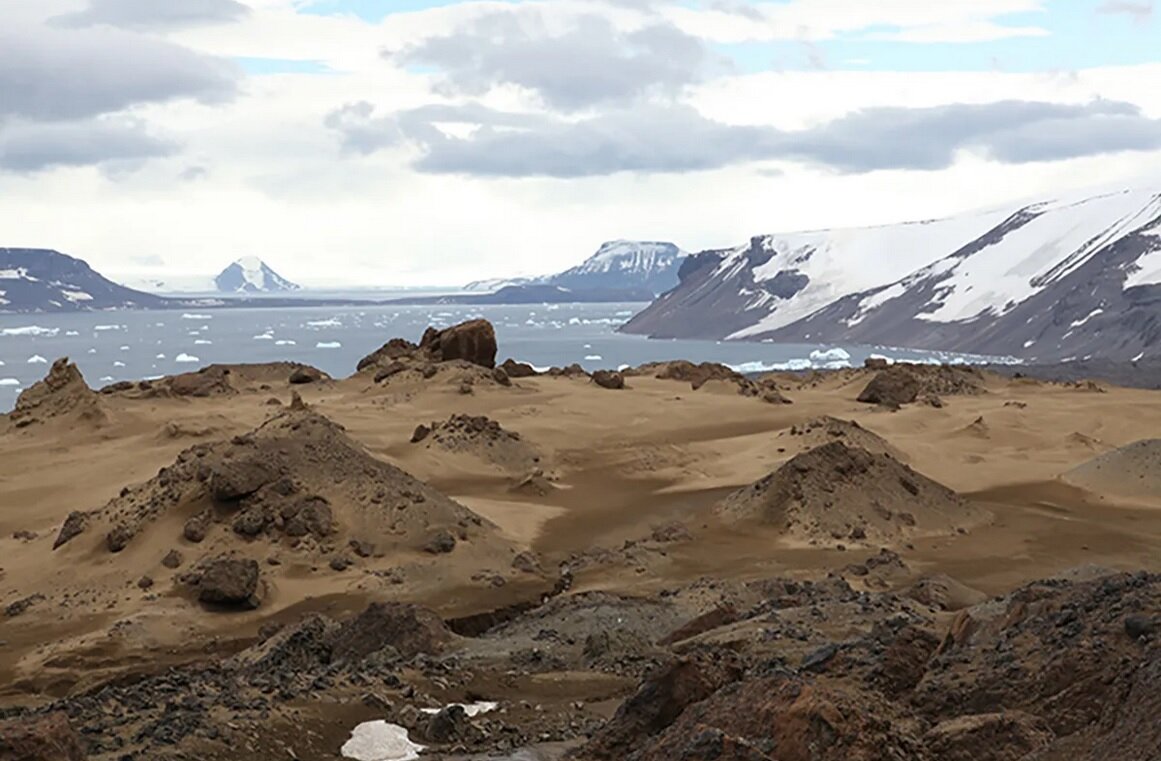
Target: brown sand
column 624, row 464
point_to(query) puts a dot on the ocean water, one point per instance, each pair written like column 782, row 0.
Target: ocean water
column 132, row 345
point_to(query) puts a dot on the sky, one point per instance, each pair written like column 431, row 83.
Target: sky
column 412, row 142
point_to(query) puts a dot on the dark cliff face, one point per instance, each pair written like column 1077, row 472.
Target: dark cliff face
column 1047, row 282
column 42, row 280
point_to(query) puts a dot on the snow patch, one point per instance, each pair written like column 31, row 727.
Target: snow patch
column 472, row 710
column 1086, row 318
column 380, row 741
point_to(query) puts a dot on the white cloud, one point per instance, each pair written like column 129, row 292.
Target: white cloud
column 264, row 173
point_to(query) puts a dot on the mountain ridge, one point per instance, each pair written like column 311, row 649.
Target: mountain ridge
column 1067, row 277
column 617, row 264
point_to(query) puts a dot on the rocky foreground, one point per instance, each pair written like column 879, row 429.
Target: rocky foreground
column 507, row 564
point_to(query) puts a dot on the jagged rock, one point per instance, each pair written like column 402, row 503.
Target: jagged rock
column 209, row 381
column 74, row 525
column 421, row 433
column 390, row 371
column 172, row 559
column 22, row 605
column 396, row 348
column 232, row 479
column 410, row 629
column 230, row 582
column 892, row 387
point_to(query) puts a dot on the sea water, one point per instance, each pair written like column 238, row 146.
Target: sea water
column 133, row 345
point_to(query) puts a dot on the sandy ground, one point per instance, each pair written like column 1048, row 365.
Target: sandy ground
column 617, row 465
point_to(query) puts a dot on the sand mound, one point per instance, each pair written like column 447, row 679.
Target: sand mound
column 826, row 429
column 298, row 480
column 713, row 376
column 62, row 393
column 1132, row 471
column 483, row 438
column 904, row 384
column 840, row 492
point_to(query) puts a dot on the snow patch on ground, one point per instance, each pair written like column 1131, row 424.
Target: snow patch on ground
column 1148, row 270
column 1086, row 318
column 380, row 741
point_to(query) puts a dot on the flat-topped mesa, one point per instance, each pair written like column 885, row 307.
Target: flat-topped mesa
column 473, row 342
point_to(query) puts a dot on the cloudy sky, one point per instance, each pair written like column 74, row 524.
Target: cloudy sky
column 437, row 141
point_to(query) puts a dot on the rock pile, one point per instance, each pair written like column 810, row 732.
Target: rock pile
column 62, row 393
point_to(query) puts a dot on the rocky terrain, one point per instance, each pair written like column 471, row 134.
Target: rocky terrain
column 471, row 560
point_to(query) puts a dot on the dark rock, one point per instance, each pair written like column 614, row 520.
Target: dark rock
column 876, row 363
column 895, row 386
column 361, row 548
column 449, row 725
column 22, row 605
column 718, row 617
column 390, row 371
column 501, row 377
column 1007, row 736
column 196, row 528
column 421, row 433
column 235, row 478
column 172, row 559
column 340, row 563
column 396, row 348
column 145, row 582
column 609, row 379
column 1140, row 626
column 251, row 522
column 118, row 538
column 230, row 582
column 526, row 562
column 473, row 341
column 74, row 525
column 514, row 369
column 305, row 374
column 818, row 660
column 309, row 515
column 48, row 737
column 410, row 629
column 442, row 542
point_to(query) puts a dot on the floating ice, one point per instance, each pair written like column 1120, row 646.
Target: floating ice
column 9, row 382
column 189, row 316
column 29, row 330
column 118, row 364
column 593, row 358
column 124, row 348
column 264, row 337
column 92, row 351
column 328, row 345
column 183, row 357
column 160, row 356
column 72, row 333
column 36, row 359
column 331, row 323
column 106, row 378
column 285, row 342
column 830, row 355
column 202, row 342
column 380, row 741
column 104, row 328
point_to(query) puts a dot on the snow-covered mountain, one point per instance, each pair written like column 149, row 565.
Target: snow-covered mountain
column 252, row 275
column 1072, row 276
column 42, row 280
column 620, row 264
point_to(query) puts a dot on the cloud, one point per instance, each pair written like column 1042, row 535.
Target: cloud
column 1139, row 10
column 155, row 14
column 586, row 62
column 56, row 74
column 650, row 138
column 27, row 147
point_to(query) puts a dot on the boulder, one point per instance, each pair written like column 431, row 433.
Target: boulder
column 409, row 629
column 396, row 348
column 73, row 527
column 233, row 479
column 41, row 738
column 892, row 387
column 609, row 379
column 516, row 369
column 473, row 341
column 209, row 381
column 440, row 543
column 305, row 374
column 231, row 582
